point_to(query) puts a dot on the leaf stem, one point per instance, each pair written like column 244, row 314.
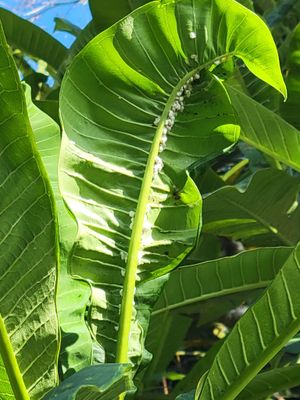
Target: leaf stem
column 127, row 305
column 11, row 365
column 137, row 231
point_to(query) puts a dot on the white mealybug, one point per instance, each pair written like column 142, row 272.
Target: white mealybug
column 165, row 131
column 197, row 76
column 131, row 214
column 192, row 35
column 140, row 256
column 194, row 57
column 164, row 139
column 172, row 119
column 156, row 170
column 163, row 142
column 159, row 162
column 175, row 106
column 171, row 114
column 169, row 123
column 158, row 165
column 188, row 93
column 122, row 272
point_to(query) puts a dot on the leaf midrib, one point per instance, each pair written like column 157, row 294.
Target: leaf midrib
column 136, row 234
column 214, row 294
column 248, row 374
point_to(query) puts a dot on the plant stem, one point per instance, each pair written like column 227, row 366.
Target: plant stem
column 11, row 365
column 137, row 229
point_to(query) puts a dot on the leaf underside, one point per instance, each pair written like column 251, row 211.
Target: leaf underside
column 116, row 100
column 28, row 243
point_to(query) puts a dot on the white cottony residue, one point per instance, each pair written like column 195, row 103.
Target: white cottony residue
column 159, row 163
column 158, row 166
column 123, row 255
column 140, row 256
column 192, row 35
column 164, row 139
column 131, row 215
column 146, row 240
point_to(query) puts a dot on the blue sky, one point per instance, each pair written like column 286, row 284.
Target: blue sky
column 78, row 14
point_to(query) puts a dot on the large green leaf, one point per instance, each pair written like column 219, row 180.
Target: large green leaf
column 272, row 321
column 73, row 295
column 31, row 39
column 190, row 285
column 122, row 98
column 98, row 382
column 267, row 383
column 265, row 130
column 28, row 248
column 275, row 218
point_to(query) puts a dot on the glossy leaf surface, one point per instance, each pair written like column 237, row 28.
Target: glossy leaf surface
column 272, row 321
